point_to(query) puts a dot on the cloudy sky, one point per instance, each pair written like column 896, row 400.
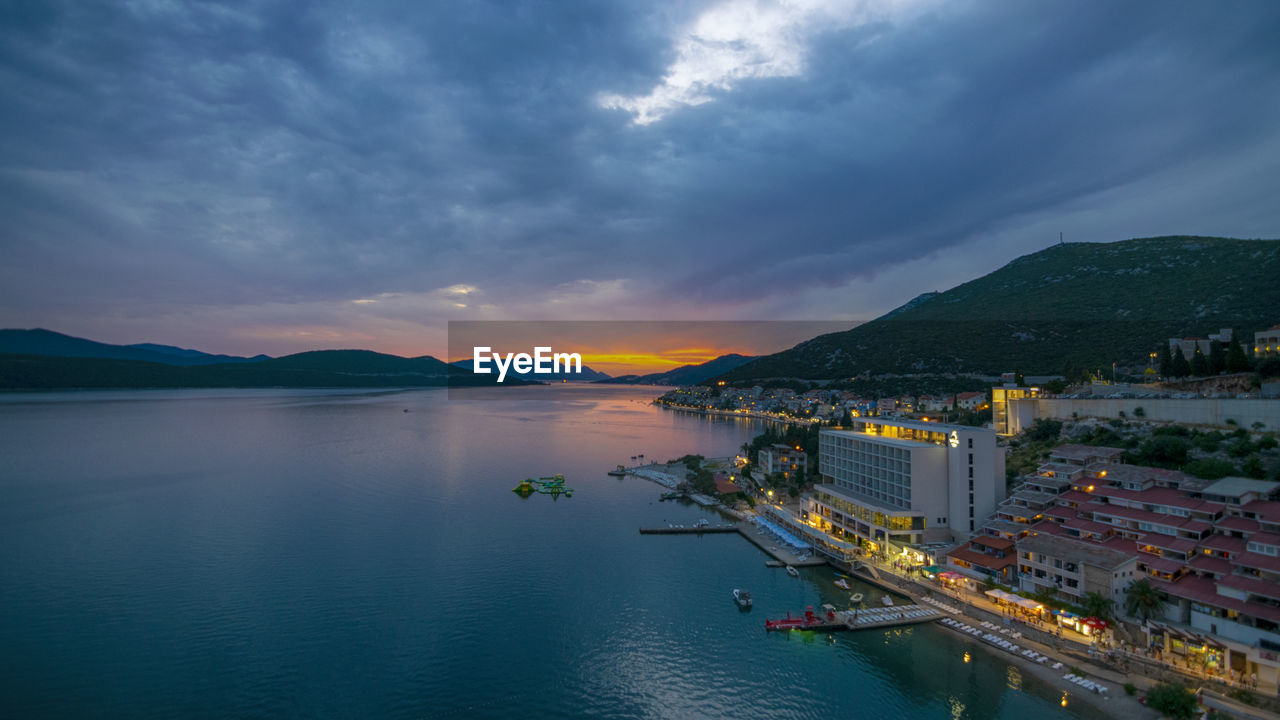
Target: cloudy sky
column 274, row 177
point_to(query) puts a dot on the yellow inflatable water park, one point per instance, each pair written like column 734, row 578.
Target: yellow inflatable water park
column 553, row 486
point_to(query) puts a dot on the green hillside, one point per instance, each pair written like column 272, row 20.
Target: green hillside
column 1090, row 304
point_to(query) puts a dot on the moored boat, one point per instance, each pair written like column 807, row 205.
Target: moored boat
column 888, row 601
column 855, row 599
column 793, row 572
column 842, row 584
column 742, row 597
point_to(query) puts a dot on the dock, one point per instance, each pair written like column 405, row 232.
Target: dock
column 861, row 619
column 688, row 529
column 780, row 557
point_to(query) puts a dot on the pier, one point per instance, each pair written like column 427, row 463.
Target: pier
column 861, row 619
column 688, row 529
column 781, row 557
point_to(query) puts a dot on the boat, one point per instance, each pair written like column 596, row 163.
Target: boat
column 793, row 572
column 888, row 601
column 842, row 584
column 619, row 472
column 855, row 599
column 743, row 598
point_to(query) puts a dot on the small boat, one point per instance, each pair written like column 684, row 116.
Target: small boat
column 855, row 599
column 793, row 572
column 743, row 598
column 888, row 601
column 842, row 584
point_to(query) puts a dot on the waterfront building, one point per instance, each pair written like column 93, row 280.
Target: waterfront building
column 1000, row 397
column 986, row 557
column 1189, row 345
column 1073, row 569
column 791, row 462
column 1211, row 549
column 1266, row 343
column 891, row 483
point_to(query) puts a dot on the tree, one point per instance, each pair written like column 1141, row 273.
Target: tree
column 1142, row 600
column 1043, row 430
column 1173, row 701
column 1253, row 468
column 1166, row 362
column 1179, row 367
column 1098, row 605
column 1236, row 359
column 1055, row 386
column 1019, row 379
column 1217, row 358
column 1199, row 363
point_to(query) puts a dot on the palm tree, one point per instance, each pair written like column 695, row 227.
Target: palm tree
column 1142, row 600
column 1097, row 605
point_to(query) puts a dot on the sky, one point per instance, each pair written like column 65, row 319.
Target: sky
column 277, row 176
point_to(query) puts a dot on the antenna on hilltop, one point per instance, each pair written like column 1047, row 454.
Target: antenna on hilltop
column 1060, row 240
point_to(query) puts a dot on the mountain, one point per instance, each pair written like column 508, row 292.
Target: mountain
column 1089, row 304
column 587, row 374
column 46, row 342
column 322, row 368
column 686, row 374
column 198, row 358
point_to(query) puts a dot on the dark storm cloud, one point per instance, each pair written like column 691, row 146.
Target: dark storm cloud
column 214, row 160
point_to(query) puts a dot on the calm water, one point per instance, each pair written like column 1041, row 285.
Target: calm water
column 286, row 553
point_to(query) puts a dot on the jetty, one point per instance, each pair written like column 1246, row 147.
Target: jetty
column 831, row 620
column 688, row 529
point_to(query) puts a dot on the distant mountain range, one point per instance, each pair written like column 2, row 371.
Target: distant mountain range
column 47, row 342
column 686, row 374
column 1090, row 304
column 43, row 359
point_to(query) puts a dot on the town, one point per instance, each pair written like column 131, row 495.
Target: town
column 1135, row 520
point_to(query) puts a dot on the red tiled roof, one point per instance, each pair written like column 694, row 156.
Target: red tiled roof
column 1065, row 513
column 1047, row 527
column 1240, row 524
column 1258, row 561
column 1135, row 514
column 1265, row 538
column 1168, row 542
column 1255, row 586
column 1205, row 591
column 1087, row 526
column 1074, row 496
column 1211, row 564
column 1165, row 565
column 1224, row 543
column 1267, row 510
column 726, row 487
column 996, row 543
column 981, row 559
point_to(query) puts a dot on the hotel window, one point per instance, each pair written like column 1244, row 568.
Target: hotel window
column 970, row 443
column 970, row 458
column 971, row 471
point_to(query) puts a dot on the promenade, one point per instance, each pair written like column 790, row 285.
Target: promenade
column 1112, row 665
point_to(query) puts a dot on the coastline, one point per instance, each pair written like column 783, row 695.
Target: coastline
column 1116, row 704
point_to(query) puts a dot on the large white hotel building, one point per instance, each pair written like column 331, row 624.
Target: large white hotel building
column 895, row 483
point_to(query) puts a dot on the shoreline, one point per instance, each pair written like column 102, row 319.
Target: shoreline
column 1116, row 705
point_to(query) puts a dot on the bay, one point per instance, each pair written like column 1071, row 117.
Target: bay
column 267, row 553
